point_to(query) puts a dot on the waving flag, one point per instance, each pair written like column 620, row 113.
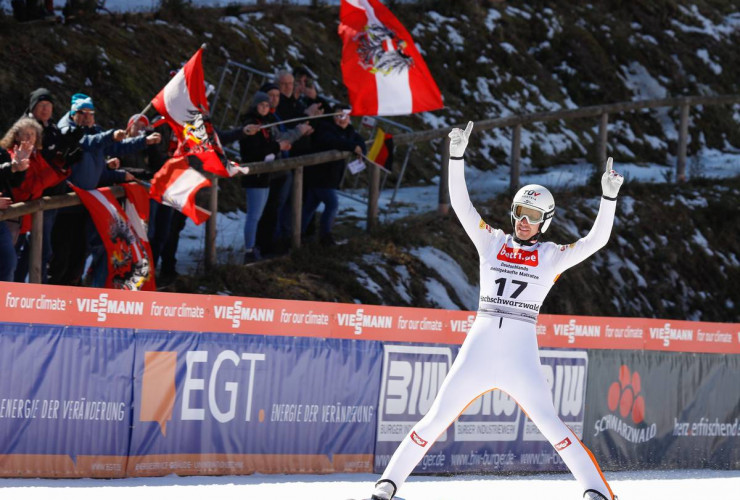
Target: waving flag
column 183, row 104
column 382, row 68
column 129, row 262
column 381, row 152
column 176, row 184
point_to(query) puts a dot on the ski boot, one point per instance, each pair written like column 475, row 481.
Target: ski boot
column 385, row 489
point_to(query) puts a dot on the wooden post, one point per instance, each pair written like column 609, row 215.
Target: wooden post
column 297, row 207
column 373, row 195
column 516, row 140
column 603, row 126
column 210, row 260
column 683, row 136
column 35, row 257
column 443, row 207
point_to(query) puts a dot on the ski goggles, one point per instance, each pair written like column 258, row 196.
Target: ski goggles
column 533, row 215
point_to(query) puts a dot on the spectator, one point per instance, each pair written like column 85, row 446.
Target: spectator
column 322, row 181
column 257, row 145
column 311, row 96
column 273, row 232
column 38, row 177
column 41, row 108
column 12, row 174
column 301, row 75
column 74, row 235
column 147, row 163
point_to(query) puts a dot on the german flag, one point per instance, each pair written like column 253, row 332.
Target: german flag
column 381, row 152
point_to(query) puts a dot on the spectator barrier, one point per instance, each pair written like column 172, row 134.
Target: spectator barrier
column 107, row 383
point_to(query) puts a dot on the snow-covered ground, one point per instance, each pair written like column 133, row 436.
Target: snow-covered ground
column 669, row 485
column 483, row 185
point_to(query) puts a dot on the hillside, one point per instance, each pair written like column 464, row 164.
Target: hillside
column 490, row 59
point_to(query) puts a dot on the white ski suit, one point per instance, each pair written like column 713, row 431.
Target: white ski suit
column 500, row 351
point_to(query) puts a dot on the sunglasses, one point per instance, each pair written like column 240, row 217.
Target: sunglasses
column 533, row 215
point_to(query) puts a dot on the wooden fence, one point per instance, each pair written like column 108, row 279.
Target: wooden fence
column 516, row 122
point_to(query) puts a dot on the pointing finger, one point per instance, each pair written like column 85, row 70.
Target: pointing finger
column 468, row 129
column 609, row 162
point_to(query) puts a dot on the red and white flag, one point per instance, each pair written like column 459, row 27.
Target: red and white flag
column 382, row 68
column 129, row 259
column 175, row 185
column 183, row 104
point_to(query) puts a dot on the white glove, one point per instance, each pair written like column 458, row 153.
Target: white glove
column 611, row 181
column 459, row 140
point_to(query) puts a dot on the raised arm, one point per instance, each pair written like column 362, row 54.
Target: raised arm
column 597, row 238
column 477, row 230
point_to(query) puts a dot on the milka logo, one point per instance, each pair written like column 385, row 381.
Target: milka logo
column 667, row 334
column 573, row 330
column 359, row 320
column 518, row 256
column 238, row 313
column 102, row 306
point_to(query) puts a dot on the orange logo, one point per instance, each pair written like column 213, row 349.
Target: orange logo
column 158, row 388
column 625, row 395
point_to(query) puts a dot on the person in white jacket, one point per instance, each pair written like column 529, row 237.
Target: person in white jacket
column 500, row 352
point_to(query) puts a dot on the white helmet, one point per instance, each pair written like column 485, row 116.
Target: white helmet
column 534, row 202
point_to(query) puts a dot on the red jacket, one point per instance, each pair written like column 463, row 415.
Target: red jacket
column 39, row 176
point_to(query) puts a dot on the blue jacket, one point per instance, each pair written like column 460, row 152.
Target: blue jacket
column 91, row 171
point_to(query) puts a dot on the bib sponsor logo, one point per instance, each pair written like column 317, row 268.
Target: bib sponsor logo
column 518, row 256
column 360, row 320
column 563, row 444
column 103, row 306
column 667, row 334
column 572, row 330
column 626, row 401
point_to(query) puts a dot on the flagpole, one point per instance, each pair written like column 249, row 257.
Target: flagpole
column 301, row 119
column 381, row 167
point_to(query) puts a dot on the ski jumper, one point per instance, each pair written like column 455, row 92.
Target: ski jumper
column 500, row 350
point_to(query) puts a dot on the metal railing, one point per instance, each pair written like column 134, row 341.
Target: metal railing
column 684, row 104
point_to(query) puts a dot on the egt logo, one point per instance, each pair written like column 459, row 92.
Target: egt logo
column 625, row 396
column 158, row 389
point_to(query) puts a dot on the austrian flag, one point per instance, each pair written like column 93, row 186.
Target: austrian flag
column 382, row 68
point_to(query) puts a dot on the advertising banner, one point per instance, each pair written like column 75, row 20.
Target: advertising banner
column 493, row 433
column 65, row 400
column 82, row 306
column 654, row 409
column 236, row 404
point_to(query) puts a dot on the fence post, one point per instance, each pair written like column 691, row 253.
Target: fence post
column 297, row 207
column 683, row 133
column 37, row 237
column 372, row 199
column 443, row 208
column 603, row 126
column 210, row 261
column 516, row 140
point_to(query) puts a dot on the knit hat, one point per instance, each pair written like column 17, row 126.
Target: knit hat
column 268, row 87
column 138, row 117
column 38, row 95
column 81, row 101
column 260, row 97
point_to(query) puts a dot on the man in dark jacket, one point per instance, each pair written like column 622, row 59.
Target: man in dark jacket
column 321, row 182
column 74, row 233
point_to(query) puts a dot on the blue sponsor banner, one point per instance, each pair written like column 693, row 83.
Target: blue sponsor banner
column 65, row 393
column 493, row 433
column 247, row 396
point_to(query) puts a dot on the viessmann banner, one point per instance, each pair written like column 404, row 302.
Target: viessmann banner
column 152, row 384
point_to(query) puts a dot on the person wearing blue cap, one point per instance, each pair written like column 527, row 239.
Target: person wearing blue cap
column 73, row 235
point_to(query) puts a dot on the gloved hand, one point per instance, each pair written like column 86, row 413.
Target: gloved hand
column 459, row 140
column 611, row 181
